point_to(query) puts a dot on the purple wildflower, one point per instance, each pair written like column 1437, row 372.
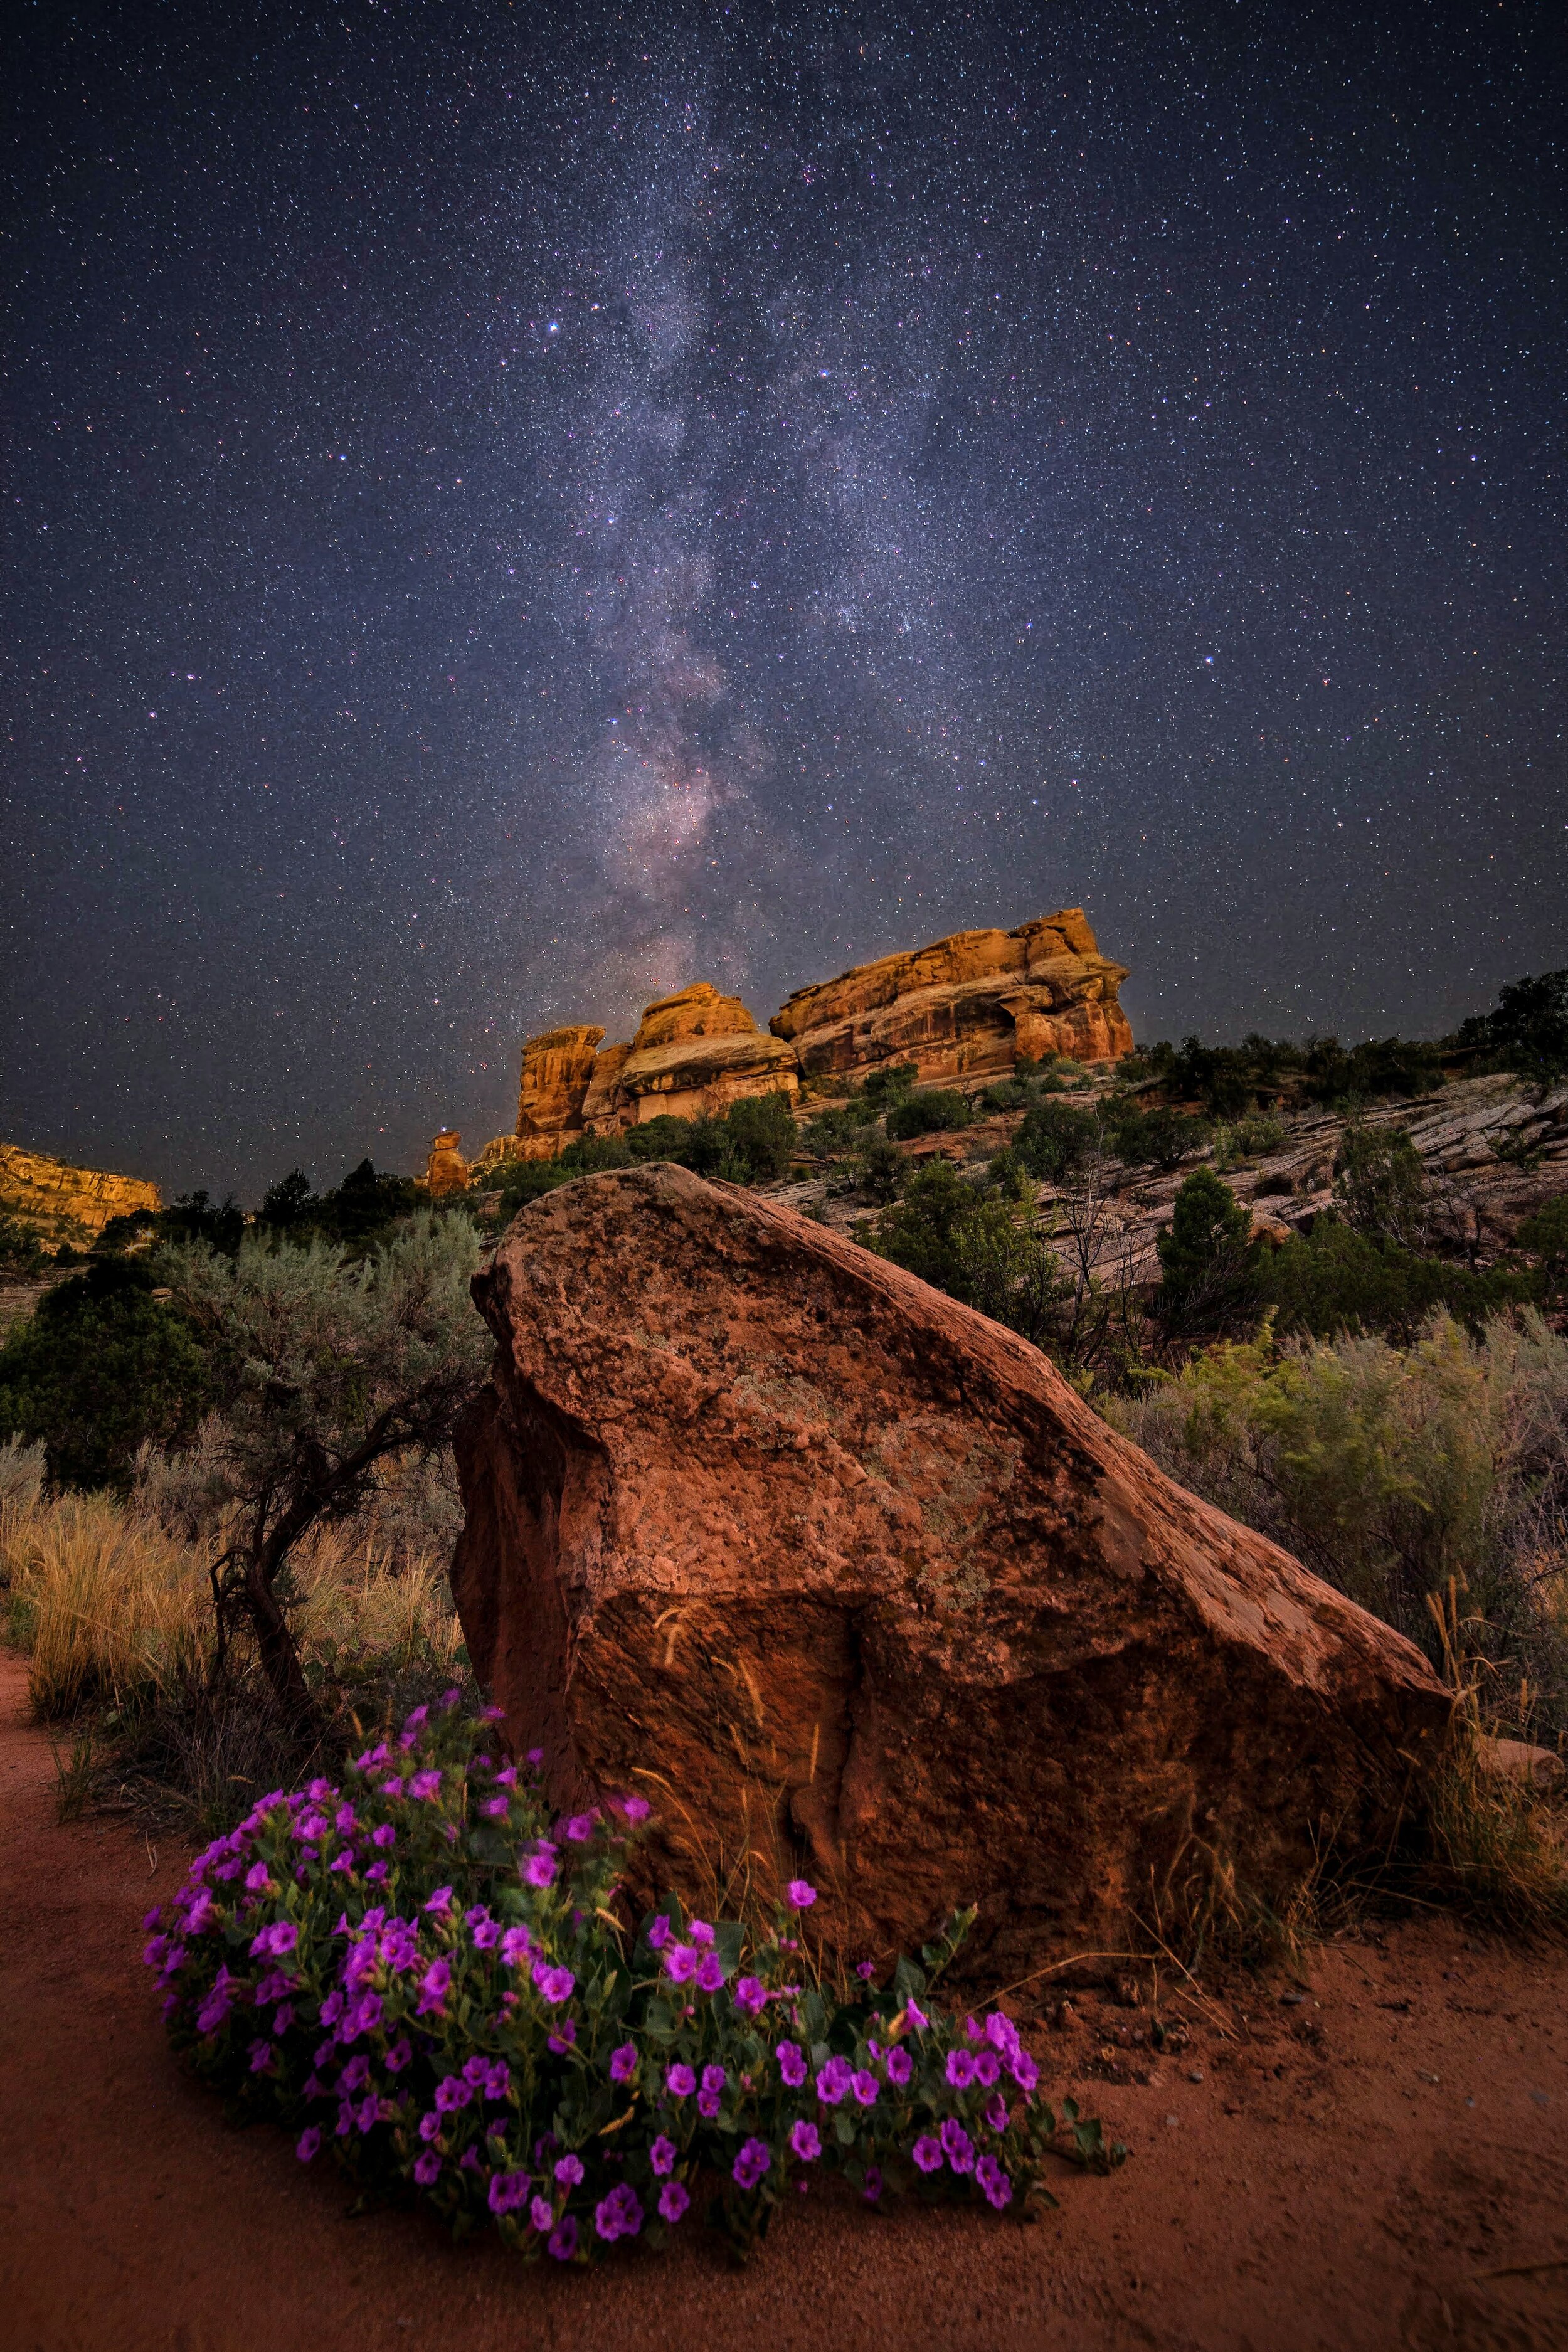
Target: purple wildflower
column 873, row 2188
column 620, row 2214
column 792, row 2064
column 927, row 2153
column 452, row 2092
column 508, row 2191
column 425, row 1785
column 564, row 2239
column 681, row 1963
column 709, row 1972
column 623, row 2062
column 917, row 2017
column 987, row 2068
column 673, row 2200
column 440, row 1901
column 960, row 2069
column 1025, row 2071
column 864, row 2086
column 383, row 1836
column 801, row 1893
column 998, row 2189
column 541, row 1869
column 697, row 1931
column 427, row 2168
column 496, row 1809
column 865, row 1970
column 308, row 2141
column 834, row 2081
column 498, row 2079
column 751, row 1995
column 635, row 1809
column 901, row 2066
column 751, row 2164
column 659, row 1935
column 806, row 2141
column 995, row 2113
column 542, row 2213
column 433, row 1987
column 579, row 1829
column 569, row 2171
column 957, row 2146
column 679, row 2081
column 398, row 2057
column 554, row 1984
column 661, row 2155
column 516, row 1945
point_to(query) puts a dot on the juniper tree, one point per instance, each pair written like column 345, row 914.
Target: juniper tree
column 332, row 1367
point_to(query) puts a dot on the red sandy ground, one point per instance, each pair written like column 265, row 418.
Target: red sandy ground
column 1383, row 2165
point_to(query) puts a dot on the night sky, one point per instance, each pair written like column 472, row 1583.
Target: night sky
column 513, row 510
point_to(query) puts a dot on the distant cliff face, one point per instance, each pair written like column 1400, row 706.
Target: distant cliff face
column 974, row 1003
column 969, row 1005
column 62, row 1203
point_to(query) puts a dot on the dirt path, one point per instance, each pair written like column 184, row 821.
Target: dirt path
column 1374, row 2167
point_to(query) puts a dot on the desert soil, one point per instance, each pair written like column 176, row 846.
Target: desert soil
column 1380, row 2162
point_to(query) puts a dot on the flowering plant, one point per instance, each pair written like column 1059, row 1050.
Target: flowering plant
column 422, row 1970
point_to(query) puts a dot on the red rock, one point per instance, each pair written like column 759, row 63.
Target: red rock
column 446, row 1171
column 868, row 1593
column 694, row 1052
column 557, row 1068
column 974, row 1002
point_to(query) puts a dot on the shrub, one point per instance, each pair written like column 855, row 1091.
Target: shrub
column 761, row 1136
column 337, row 1368
column 1336, row 1279
column 931, row 1112
column 19, row 1249
column 1055, row 1139
column 968, row 1240
column 423, row 1969
column 1206, row 1258
column 1382, row 1184
column 881, row 1171
column 1545, row 1236
column 102, row 1368
column 1527, row 1030
column 1390, row 1469
column 885, row 1084
column 1155, row 1139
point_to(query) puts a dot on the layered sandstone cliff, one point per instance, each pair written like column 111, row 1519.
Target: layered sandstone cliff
column 971, row 1005
column 61, row 1203
column 446, row 1171
column 967, row 1005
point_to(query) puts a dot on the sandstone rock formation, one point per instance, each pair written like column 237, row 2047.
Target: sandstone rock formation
column 61, row 1203
column 852, row 1575
column 698, row 1051
column 973, row 1003
column 556, row 1069
column 446, row 1171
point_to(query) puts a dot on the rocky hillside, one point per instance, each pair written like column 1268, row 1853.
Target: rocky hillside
column 59, row 1203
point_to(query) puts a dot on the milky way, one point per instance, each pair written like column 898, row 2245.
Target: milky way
column 512, row 510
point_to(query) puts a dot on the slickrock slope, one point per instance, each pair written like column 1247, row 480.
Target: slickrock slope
column 853, row 1572
column 62, row 1203
column 965, row 1005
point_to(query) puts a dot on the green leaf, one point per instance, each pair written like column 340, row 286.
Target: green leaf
column 909, row 1982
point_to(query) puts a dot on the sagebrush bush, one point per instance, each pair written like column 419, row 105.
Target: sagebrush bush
column 1390, row 1470
column 422, row 1972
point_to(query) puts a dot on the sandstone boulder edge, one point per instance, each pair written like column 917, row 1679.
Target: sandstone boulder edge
column 848, row 1581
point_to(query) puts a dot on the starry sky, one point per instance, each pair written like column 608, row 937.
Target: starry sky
column 511, row 509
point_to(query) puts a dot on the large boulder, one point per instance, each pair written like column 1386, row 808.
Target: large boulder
column 862, row 1590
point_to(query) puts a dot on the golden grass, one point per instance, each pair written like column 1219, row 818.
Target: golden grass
column 116, row 1613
